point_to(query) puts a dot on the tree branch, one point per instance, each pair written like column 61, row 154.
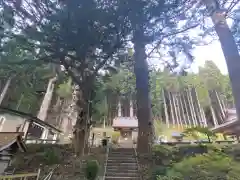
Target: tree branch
column 171, row 34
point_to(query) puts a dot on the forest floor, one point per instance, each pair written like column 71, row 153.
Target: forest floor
column 69, row 167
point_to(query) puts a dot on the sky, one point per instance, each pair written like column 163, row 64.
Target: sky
column 212, row 52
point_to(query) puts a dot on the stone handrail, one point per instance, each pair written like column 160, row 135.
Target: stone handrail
column 138, row 166
column 106, row 160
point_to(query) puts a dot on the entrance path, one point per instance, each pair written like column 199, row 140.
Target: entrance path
column 125, row 143
column 122, row 162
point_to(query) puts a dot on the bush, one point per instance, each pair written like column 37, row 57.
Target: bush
column 233, row 151
column 165, row 157
column 92, row 168
column 115, row 137
column 211, row 166
column 51, row 157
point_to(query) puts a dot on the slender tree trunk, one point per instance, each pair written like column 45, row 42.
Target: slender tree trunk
column 42, row 114
column 143, row 100
column 5, row 89
column 19, row 101
column 182, row 115
column 213, row 116
column 209, row 139
column 185, row 109
column 229, row 48
column 172, row 117
column 219, row 103
column 197, row 107
column 179, row 111
column 175, row 109
column 165, row 108
column 189, row 102
column 192, row 107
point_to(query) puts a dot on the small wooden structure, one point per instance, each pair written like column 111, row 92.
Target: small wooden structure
column 10, row 144
column 34, row 130
column 126, row 125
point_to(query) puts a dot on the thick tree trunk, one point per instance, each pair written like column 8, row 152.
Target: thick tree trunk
column 229, row 48
column 143, row 100
column 82, row 126
column 5, row 89
column 42, row 114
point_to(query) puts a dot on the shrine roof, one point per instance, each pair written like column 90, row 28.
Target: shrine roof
column 130, row 122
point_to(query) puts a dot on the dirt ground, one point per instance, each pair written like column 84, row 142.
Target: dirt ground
column 61, row 157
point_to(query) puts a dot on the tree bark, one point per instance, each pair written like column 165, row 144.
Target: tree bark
column 42, row 114
column 5, row 89
column 185, row 109
column 192, row 107
column 165, row 108
column 172, row 117
column 197, row 107
column 143, row 100
column 82, row 126
column 229, row 48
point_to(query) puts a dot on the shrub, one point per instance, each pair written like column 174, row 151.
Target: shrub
column 233, row 151
column 115, row 137
column 211, row 166
column 92, row 168
column 163, row 155
column 51, row 157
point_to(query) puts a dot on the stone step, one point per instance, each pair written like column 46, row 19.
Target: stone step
column 121, row 160
column 121, row 152
column 122, row 155
column 127, row 164
column 124, row 169
column 121, row 168
column 120, row 178
column 122, row 174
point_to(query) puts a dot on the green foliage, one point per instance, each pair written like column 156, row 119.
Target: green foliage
column 210, row 166
column 51, row 157
column 233, row 151
column 196, row 162
column 65, row 89
column 91, row 170
column 196, row 132
column 115, row 137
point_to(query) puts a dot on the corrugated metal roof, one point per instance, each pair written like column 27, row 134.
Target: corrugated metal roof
column 29, row 117
column 131, row 122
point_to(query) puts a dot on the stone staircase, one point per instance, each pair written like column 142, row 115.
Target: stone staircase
column 121, row 165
